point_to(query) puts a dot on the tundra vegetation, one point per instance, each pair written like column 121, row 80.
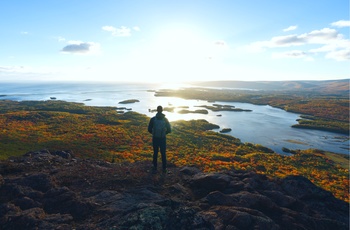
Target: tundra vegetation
column 103, row 133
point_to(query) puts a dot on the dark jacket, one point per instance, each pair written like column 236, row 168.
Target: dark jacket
column 159, row 116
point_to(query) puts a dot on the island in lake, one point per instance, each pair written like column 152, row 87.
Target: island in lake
column 130, row 101
column 218, row 107
column 225, row 130
column 186, row 111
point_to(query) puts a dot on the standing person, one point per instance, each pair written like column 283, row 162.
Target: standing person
column 159, row 127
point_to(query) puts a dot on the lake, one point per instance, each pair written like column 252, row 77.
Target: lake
column 265, row 125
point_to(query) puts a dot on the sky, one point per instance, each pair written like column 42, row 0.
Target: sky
column 174, row 41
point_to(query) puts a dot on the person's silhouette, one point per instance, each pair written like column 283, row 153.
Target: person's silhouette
column 159, row 127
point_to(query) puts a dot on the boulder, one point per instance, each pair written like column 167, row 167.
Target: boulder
column 302, row 188
column 63, row 200
column 40, row 182
column 203, row 183
column 63, row 154
column 25, row 203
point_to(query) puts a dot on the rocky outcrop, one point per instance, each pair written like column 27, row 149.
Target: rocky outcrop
column 44, row 190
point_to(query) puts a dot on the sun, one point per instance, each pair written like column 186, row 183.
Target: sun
column 173, row 54
column 179, row 54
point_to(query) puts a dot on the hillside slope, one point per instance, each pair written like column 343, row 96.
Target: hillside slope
column 102, row 133
column 43, row 190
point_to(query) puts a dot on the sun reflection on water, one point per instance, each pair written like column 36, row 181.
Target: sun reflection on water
column 173, row 105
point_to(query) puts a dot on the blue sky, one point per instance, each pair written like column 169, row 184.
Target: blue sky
column 172, row 41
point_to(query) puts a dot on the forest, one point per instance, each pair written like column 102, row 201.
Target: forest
column 103, row 133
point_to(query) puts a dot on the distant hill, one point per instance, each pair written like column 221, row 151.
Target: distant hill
column 329, row 86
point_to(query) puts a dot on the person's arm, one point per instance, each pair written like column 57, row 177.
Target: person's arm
column 150, row 125
column 168, row 127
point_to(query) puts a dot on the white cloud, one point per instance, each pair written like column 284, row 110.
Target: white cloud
column 339, row 55
column 293, row 54
column 24, row 32
column 109, row 28
column 61, row 39
column 78, row 47
column 289, row 40
column 341, row 23
column 290, row 28
column 279, row 41
column 136, row 28
column 322, row 36
column 333, row 44
column 122, row 31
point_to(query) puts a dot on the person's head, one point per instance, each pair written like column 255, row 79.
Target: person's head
column 159, row 109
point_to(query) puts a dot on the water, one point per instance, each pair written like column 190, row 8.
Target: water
column 265, row 125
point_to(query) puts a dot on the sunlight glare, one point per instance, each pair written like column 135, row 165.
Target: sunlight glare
column 180, row 54
column 178, row 104
column 174, row 55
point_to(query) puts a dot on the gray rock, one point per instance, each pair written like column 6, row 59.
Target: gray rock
column 203, row 183
column 47, row 191
column 62, row 154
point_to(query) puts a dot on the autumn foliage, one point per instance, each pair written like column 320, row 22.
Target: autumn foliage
column 101, row 132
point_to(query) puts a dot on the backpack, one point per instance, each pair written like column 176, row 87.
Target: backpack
column 159, row 128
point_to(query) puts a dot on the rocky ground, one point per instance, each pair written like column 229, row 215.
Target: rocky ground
column 44, row 190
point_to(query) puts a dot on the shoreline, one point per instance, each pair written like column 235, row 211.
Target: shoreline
column 213, row 95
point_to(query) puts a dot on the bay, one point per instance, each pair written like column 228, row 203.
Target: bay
column 265, row 125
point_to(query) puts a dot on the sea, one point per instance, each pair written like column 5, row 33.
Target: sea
column 264, row 125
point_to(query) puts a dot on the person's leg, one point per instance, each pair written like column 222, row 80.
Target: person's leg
column 155, row 152
column 163, row 152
